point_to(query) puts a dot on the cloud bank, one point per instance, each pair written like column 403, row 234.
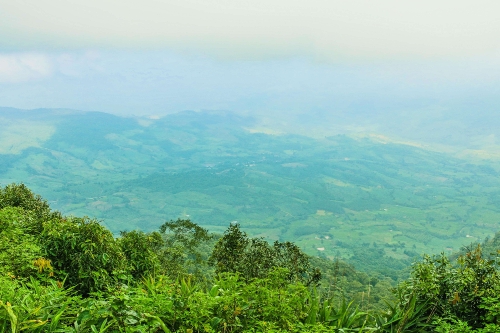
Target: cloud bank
column 324, row 29
column 21, row 67
column 15, row 68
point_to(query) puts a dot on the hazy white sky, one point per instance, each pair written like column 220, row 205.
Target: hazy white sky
column 155, row 56
column 327, row 29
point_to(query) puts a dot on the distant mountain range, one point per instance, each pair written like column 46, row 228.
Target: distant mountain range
column 465, row 130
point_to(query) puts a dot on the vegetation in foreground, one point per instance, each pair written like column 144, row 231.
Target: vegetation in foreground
column 68, row 274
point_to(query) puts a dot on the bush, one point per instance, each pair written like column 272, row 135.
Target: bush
column 83, row 253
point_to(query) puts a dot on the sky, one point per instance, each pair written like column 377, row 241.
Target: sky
column 270, row 56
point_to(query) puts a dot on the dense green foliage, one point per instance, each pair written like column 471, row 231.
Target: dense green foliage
column 74, row 276
column 255, row 258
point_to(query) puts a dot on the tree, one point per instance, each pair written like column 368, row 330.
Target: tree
column 83, row 252
column 18, row 250
column 185, row 248
column 229, row 252
column 142, row 252
column 18, row 195
column 255, row 258
column 458, row 292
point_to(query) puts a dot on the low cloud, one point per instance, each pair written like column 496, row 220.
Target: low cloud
column 22, row 67
column 241, row 29
column 25, row 67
